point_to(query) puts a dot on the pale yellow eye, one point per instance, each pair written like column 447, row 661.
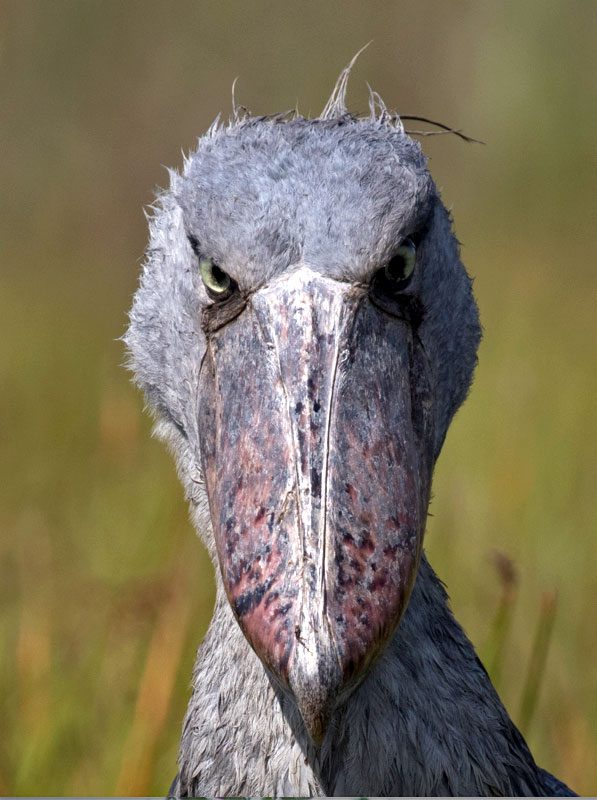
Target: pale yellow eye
column 402, row 265
column 215, row 279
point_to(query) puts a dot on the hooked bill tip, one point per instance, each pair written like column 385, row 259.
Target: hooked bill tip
column 315, row 709
column 315, row 680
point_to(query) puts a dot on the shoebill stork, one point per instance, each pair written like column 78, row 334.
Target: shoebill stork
column 305, row 331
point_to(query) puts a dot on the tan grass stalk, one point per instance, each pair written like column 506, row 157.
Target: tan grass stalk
column 155, row 695
column 495, row 646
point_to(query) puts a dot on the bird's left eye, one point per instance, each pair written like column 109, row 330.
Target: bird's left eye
column 218, row 283
column 401, row 266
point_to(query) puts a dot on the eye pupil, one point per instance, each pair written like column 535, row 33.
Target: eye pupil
column 396, row 268
column 219, row 276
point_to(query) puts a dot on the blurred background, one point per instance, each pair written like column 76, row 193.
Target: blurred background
column 105, row 591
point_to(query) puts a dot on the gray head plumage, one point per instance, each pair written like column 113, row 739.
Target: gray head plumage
column 231, row 182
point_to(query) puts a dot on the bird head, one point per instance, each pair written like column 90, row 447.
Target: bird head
column 304, row 331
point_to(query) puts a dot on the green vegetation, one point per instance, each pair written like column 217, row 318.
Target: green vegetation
column 105, row 591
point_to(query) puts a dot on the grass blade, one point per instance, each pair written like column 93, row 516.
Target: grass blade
column 536, row 670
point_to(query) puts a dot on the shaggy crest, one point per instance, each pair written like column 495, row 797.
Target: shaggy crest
column 336, row 108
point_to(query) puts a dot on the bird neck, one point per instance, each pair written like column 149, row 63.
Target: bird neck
column 426, row 720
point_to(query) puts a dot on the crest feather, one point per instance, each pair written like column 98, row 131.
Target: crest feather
column 336, row 105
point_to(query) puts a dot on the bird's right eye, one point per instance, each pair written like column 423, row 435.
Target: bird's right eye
column 218, row 283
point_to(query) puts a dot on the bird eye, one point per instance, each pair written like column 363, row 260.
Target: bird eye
column 400, row 268
column 217, row 282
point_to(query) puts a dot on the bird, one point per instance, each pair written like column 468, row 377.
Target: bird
column 304, row 331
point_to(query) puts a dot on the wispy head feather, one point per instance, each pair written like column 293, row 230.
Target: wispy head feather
column 336, row 108
column 336, row 105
